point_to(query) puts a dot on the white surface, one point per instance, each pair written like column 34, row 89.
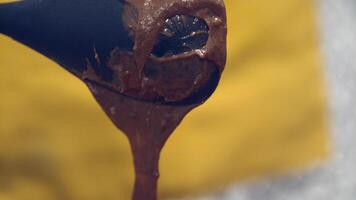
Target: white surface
column 336, row 180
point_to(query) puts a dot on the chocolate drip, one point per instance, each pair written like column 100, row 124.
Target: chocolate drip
column 153, row 89
column 146, row 62
column 148, row 126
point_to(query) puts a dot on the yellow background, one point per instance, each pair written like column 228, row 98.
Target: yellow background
column 267, row 116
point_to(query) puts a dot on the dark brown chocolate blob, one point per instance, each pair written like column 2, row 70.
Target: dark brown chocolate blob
column 177, row 80
column 178, row 56
column 163, row 81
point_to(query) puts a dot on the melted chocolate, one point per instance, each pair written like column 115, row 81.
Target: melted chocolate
column 151, row 93
column 147, row 126
column 147, row 62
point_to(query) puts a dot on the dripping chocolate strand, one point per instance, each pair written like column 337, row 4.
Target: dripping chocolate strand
column 147, row 62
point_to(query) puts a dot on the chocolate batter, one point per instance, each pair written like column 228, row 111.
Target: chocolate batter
column 151, row 92
column 147, row 62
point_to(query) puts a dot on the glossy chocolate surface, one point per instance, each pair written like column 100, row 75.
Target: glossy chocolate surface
column 160, row 86
column 146, row 62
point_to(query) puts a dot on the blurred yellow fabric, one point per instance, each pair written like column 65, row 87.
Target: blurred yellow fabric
column 267, row 116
